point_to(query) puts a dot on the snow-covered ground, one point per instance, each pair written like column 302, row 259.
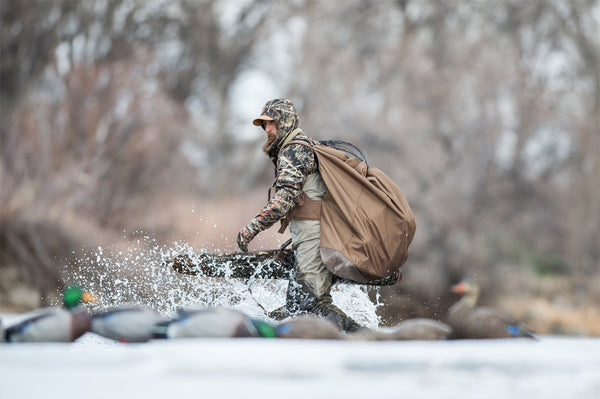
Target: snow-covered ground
column 92, row 367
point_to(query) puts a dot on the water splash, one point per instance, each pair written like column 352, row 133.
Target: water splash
column 138, row 274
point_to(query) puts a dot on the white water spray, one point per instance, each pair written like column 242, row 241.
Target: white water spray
column 139, row 275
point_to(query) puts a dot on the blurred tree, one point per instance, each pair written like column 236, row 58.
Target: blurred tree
column 485, row 113
column 478, row 110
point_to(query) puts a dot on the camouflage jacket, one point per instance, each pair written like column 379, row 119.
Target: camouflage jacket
column 293, row 164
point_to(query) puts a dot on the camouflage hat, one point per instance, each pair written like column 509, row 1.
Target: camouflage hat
column 279, row 110
column 283, row 112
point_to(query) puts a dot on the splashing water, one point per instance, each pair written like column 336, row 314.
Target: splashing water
column 138, row 274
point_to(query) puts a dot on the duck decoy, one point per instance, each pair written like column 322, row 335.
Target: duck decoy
column 55, row 324
column 368, row 334
column 308, row 326
column 411, row 329
column 210, row 322
column 421, row 329
column 471, row 321
column 126, row 323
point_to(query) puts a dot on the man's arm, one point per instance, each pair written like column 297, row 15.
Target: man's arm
column 294, row 164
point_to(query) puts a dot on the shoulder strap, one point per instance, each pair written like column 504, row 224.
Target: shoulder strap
column 350, row 149
column 290, row 137
column 302, row 142
column 345, row 147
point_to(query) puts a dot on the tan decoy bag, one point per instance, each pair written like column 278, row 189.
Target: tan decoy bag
column 366, row 222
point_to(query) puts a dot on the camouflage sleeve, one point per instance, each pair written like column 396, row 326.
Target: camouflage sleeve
column 294, row 164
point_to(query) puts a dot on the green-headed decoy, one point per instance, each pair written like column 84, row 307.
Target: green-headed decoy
column 64, row 324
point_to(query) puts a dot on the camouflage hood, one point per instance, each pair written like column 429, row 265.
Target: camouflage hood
column 283, row 112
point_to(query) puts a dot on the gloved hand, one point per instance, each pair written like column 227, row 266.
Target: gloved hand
column 244, row 237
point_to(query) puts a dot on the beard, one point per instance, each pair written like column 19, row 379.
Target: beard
column 267, row 147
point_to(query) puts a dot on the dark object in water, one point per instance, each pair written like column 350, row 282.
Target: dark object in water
column 271, row 264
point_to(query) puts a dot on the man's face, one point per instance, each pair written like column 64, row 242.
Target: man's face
column 270, row 127
column 271, row 130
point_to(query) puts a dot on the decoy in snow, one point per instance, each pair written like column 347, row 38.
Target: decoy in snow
column 210, row 322
column 308, row 326
column 126, row 323
column 55, row 324
column 471, row 321
column 411, row 329
column 421, row 329
column 368, row 334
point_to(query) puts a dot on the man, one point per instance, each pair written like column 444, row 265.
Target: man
column 297, row 180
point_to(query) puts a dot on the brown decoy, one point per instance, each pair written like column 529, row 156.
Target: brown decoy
column 308, row 326
column 421, row 329
column 471, row 321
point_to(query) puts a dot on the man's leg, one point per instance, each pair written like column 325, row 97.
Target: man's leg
column 310, row 291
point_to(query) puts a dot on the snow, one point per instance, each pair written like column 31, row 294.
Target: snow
column 93, row 367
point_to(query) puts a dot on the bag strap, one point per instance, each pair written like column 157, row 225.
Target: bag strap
column 290, row 137
column 306, row 209
column 287, row 142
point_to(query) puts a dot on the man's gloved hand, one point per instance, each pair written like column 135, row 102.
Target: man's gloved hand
column 243, row 241
column 245, row 236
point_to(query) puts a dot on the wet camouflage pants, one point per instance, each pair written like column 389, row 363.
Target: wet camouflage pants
column 310, row 291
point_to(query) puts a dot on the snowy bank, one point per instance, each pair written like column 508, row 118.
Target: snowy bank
column 93, row 367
